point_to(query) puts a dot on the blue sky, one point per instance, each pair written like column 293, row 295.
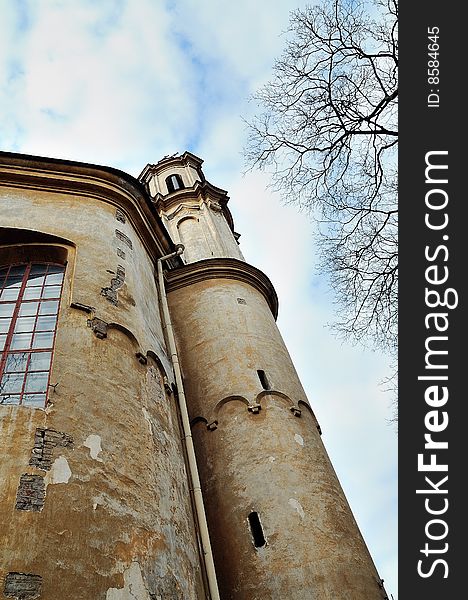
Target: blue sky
column 123, row 84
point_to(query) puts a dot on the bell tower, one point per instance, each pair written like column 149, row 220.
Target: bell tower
column 194, row 211
column 279, row 523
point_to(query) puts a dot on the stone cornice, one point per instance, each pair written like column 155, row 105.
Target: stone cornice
column 200, row 190
column 223, row 268
column 81, row 179
column 168, row 162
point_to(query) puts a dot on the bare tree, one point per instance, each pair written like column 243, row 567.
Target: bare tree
column 327, row 130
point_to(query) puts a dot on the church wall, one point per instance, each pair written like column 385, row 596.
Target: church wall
column 105, row 512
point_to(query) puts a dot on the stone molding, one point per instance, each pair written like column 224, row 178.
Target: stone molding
column 102, row 183
column 187, row 159
column 215, row 198
column 223, row 268
column 213, row 417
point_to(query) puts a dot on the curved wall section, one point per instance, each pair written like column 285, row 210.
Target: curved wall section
column 262, row 461
column 192, row 236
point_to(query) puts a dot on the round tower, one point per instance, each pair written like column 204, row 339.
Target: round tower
column 279, row 522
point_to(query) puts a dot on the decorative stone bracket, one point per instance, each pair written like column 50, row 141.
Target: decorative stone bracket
column 295, row 411
column 141, row 358
column 216, row 206
column 167, row 386
column 83, row 307
column 99, row 327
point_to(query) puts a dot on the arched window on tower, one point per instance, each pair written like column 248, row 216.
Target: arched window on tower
column 29, row 305
column 174, row 182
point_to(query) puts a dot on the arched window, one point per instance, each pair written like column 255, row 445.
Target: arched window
column 29, row 304
column 174, row 182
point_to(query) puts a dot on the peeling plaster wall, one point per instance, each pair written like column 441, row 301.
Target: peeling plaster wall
column 134, row 586
column 116, row 519
column 261, row 451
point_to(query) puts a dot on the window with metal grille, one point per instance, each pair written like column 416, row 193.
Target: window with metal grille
column 29, row 304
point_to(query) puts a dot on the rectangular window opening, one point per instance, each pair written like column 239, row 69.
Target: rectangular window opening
column 257, row 530
column 263, row 380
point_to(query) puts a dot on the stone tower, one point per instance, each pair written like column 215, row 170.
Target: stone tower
column 156, row 440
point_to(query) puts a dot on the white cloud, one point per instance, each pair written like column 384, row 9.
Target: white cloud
column 244, row 36
column 95, row 94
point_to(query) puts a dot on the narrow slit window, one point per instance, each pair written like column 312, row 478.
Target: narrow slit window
column 257, row 530
column 263, row 380
column 29, row 304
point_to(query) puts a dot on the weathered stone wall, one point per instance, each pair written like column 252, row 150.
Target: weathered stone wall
column 260, row 451
column 221, row 232
column 202, row 228
column 94, row 501
column 192, row 235
column 106, row 246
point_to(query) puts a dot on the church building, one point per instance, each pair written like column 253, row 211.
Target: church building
column 156, row 442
